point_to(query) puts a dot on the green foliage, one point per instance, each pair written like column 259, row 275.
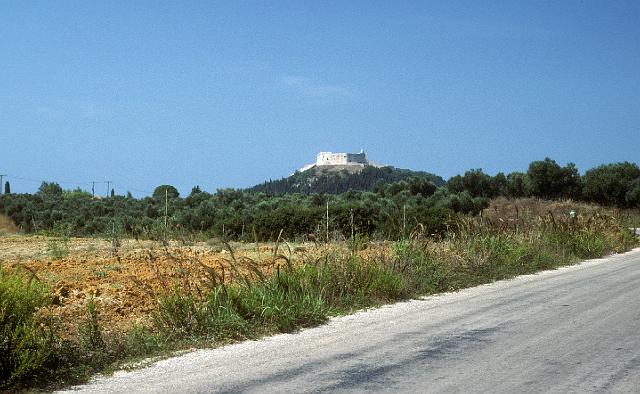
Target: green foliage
column 423, row 272
column 76, row 193
column 91, row 332
column 546, row 179
column 349, row 282
column 141, row 341
column 58, row 244
column 26, row 341
column 515, row 185
column 165, row 191
column 421, row 186
column 235, row 214
column 281, row 304
column 50, row 190
column 317, row 180
column 475, row 182
column 295, row 297
column 460, row 202
column 612, row 184
column 633, row 195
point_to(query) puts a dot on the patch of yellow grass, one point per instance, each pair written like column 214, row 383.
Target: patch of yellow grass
column 6, row 225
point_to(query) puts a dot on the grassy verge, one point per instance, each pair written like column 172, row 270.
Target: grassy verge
column 302, row 293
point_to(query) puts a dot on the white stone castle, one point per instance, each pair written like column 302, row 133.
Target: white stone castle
column 354, row 160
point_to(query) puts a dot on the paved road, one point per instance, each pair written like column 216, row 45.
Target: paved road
column 575, row 329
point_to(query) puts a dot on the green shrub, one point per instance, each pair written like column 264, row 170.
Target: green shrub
column 182, row 316
column 26, row 341
column 90, row 331
column 295, row 297
column 423, row 272
column 58, row 245
column 58, row 248
column 282, row 303
column 141, row 341
column 353, row 282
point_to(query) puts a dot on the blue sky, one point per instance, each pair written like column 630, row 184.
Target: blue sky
column 228, row 94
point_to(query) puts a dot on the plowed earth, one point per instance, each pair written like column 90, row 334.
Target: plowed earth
column 126, row 282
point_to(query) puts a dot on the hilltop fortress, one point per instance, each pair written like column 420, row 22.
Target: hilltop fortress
column 348, row 161
column 341, row 159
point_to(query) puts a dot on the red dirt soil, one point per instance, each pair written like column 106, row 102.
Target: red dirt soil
column 126, row 285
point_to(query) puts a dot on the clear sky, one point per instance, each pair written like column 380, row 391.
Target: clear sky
column 232, row 93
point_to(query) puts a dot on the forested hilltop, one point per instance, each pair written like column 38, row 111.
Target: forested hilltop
column 326, row 180
column 391, row 210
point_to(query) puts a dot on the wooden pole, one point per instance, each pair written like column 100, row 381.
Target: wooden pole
column 352, row 232
column 404, row 220
column 327, row 221
column 166, row 206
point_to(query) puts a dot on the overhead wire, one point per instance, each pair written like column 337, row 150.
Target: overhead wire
column 88, row 184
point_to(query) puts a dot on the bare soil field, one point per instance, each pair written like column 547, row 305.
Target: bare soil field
column 125, row 285
column 126, row 282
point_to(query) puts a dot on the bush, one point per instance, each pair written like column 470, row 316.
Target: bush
column 26, row 341
column 296, row 297
column 58, row 245
column 611, row 184
column 183, row 316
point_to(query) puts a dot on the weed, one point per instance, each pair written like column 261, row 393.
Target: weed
column 58, row 248
column 58, row 245
column 26, row 341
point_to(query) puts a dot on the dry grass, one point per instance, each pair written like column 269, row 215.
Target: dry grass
column 7, row 226
column 531, row 208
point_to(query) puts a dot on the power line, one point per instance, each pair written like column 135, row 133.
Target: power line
column 65, row 182
column 89, row 184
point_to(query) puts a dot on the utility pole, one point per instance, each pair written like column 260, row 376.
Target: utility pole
column 352, row 234
column 404, row 220
column 93, row 189
column 166, row 206
column 1, row 184
column 108, row 187
column 327, row 221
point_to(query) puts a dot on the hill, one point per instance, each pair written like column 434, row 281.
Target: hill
column 339, row 179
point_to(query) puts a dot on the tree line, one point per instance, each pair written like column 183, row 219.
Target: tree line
column 616, row 184
column 390, row 210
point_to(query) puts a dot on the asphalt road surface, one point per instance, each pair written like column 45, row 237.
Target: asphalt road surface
column 576, row 329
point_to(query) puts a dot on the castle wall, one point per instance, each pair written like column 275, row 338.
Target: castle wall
column 333, row 159
column 360, row 158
